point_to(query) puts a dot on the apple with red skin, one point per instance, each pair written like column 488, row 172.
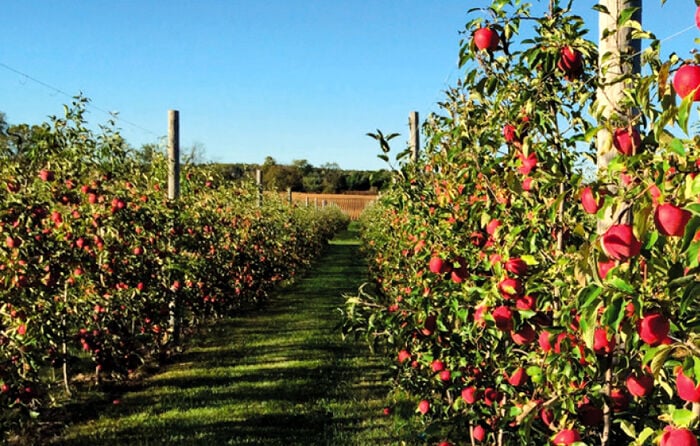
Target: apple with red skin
column 486, row 39
column 527, row 163
column 424, row 407
column 687, row 80
column 626, row 141
column 671, row 220
column 470, row 395
column 620, row 399
column 430, row 325
column 588, row 413
column 620, row 243
column 12, row 242
column 686, row 388
column 525, row 303
column 571, row 63
column 438, row 365
column 602, row 342
column 404, row 356
column 518, row 377
column 524, row 336
column 445, row 375
column 591, row 205
column 491, row 396
column 510, row 288
column 46, row 175
column 640, row 384
column 566, row 437
column 653, row 329
column 547, row 415
column 478, row 433
column 492, row 226
column 678, row 437
column 5, row 388
column 439, row 266
column 516, row 266
column 604, row 266
column 697, row 17
column 503, row 316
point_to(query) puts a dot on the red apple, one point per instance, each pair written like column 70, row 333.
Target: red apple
column 526, row 184
column 438, row 365
column 640, row 384
column 438, row 266
column 503, row 317
column 491, row 396
column 524, row 336
column 445, row 375
column 527, row 163
column 626, row 142
column 404, row 356
column 478, row 433
column 589, row 414
column 4, row 388
column 697, row 17
column 486, row 39
column 589, row 202
column 510, row 288
column 620, row 243
column 547, row 416
column 686, row 387
column 603, row 343
column 516, row 266
column 430, row 325
column 571, row 63
column 518, row 377
column 678, row 437
column 620, row 399
column 653, row 328
column 470, row 395
column 493, row 226
column 46, row 175
column 525, row 303
column 510, row 134
column 566, row 437
column 671, row 220
column 424, row 407
column 604, row 266
column 687, row 80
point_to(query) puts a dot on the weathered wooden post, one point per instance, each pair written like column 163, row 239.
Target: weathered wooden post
column 174, row 195
column 173, row 154
column 259, row 182
column 289, row 195
column 618, row 54
column 414, row 132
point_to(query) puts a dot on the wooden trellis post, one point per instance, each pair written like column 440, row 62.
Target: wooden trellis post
column 174, row 194
column 414, row 131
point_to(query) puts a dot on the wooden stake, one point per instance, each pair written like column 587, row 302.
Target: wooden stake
column 173, row 154
column 414, row 142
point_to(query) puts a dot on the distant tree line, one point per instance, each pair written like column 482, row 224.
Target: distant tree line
column 301, row 176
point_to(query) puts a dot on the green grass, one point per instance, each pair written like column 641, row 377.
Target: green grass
column 278, row 375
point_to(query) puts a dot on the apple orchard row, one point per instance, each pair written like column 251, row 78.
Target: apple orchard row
column 96, row 263
column 512, row 318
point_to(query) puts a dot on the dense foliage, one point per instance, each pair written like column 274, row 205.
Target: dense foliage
column 512, row 319
column 96, row 263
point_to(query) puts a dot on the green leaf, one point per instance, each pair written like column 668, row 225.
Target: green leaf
column 691, row 294
column 644, row 435
column 628, row 428
column 622, row 285
column 625, row 16
column 684, row 112
column 660, row 359
column 677, row 147
column 682, row 417
column 690, row 229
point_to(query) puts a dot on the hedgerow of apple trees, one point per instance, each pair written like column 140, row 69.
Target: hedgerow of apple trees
column 95, row 260
column 510, row 318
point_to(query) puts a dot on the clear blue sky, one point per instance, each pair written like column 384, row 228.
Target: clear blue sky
column 293, row 79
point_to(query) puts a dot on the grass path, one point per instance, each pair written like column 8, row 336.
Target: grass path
column 280, row 375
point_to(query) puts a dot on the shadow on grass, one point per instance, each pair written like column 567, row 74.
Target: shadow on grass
column 280, row 374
